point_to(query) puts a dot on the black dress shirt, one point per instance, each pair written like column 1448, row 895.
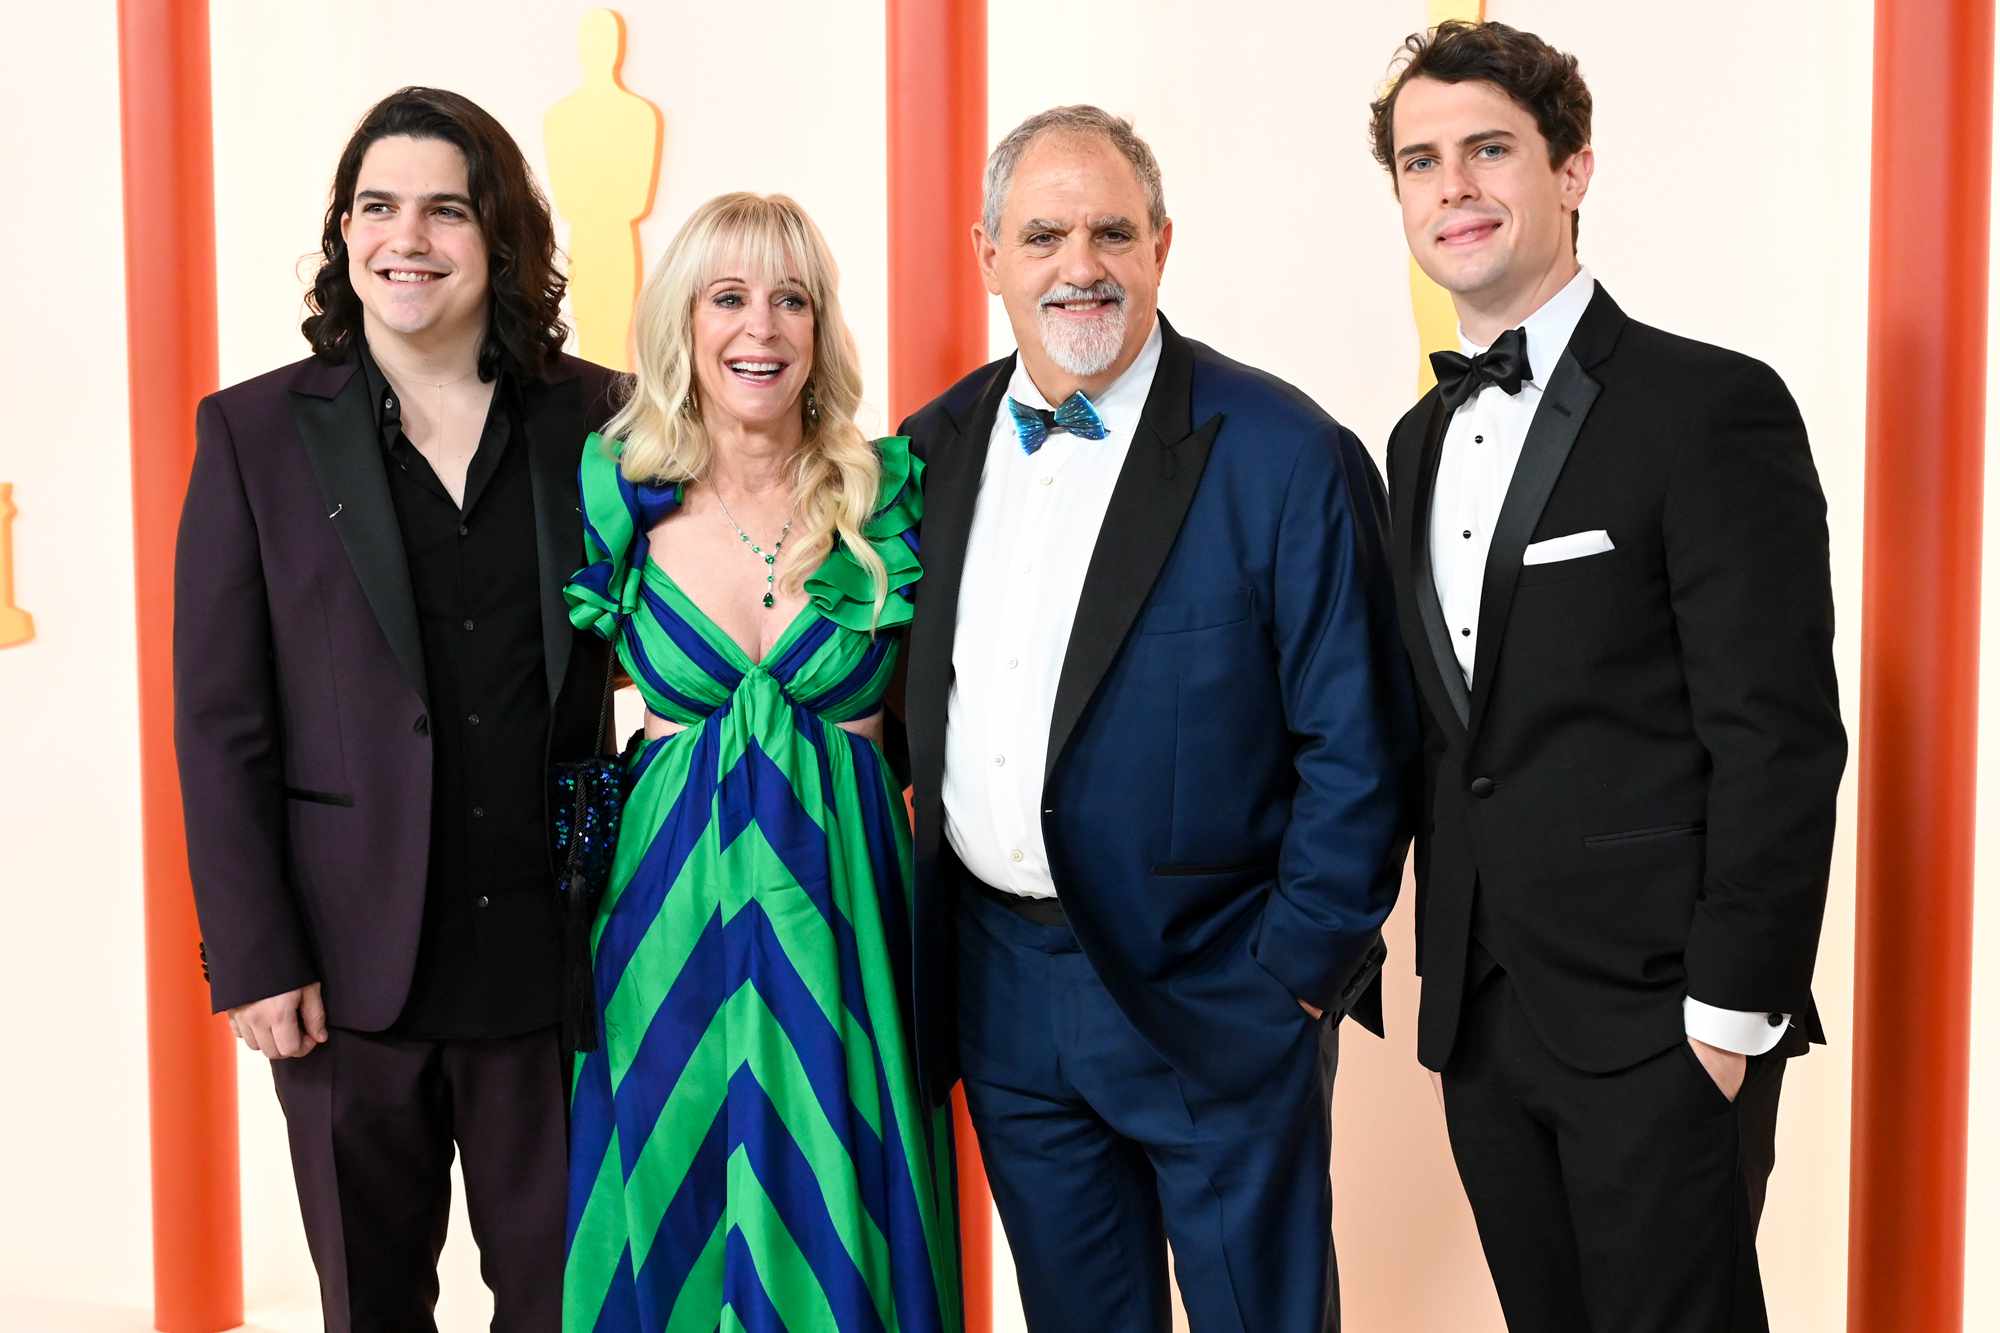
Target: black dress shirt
column 489, row 961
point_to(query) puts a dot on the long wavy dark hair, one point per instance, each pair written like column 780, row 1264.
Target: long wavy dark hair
column 524, row 327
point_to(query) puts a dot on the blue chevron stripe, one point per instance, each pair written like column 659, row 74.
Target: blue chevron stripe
column 698, row 650
column 863, row 672
column 690, row 1219
column 590, row 1125
column 789, row 1181
column 890, row 892
column 644, row 760
column 672, row 1033
column 620, row 1311
column 810, row 641
column 744, row 1291
column 754, row 951
column 642, row 668
column 770, row 801
column 633, row 912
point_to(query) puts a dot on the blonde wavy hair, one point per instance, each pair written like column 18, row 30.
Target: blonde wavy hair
column 837, row 473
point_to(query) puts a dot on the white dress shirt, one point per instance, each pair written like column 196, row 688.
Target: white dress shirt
column 1034, row 528
column 1482, row 444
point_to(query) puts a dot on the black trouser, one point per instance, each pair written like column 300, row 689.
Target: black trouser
column 1609, row 1203
column 372, row 1120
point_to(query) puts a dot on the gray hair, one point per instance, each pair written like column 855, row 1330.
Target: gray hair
column 1075, row 122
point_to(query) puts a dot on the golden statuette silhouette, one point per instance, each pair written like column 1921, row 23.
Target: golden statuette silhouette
column 604, row 166
column 16, row 625
column 1437, row 321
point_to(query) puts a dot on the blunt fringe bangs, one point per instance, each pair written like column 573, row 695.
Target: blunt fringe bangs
column 659, row 434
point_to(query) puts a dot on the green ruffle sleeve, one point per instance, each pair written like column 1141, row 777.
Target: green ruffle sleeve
column 841, row 587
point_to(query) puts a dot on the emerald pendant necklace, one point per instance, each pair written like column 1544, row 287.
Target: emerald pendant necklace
column 770, row 558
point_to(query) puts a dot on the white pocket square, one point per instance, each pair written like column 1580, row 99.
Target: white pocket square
column 1573, row 547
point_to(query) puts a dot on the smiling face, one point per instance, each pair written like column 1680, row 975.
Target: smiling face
column 1076, row 263
column 1486, row 216
column 753, row 347
column 415, row 252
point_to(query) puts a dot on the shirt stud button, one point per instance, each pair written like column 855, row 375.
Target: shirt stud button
column 1479, row 439
column 1467, row 534
column 1048, row 481
column 1464, row 633
column 999, row 761
column 1017, row 856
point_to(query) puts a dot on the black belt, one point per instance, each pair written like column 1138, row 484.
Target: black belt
column 1041, row 911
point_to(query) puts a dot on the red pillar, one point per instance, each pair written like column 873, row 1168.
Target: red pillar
column 1920, row 661
column 170, row 345
column 937, row 332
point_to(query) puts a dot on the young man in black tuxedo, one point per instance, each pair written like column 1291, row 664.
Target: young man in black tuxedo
column 1610, row 552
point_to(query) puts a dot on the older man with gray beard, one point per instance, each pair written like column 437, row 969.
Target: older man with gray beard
column 1161, row 732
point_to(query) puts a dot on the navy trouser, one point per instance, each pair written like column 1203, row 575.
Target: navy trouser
column 1100, row 1155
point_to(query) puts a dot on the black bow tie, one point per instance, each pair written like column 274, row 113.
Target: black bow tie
column 1505, row 363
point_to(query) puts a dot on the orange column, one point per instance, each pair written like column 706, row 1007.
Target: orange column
column 937, row 332
column 170, row 343
column 1920, row 661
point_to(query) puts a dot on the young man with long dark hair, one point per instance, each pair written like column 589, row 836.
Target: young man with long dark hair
column 373, row 668
column 1611, row 571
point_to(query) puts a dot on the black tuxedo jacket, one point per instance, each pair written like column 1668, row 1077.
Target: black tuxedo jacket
column 300, row 706
column 1635, row 798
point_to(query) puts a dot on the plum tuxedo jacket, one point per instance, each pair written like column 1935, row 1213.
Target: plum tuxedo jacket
column 300, row 706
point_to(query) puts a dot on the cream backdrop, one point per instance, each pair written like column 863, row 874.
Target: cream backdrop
column 1730, row 203
column 73, row 1154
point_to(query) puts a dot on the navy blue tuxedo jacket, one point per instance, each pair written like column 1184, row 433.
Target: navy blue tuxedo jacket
column 1226, row 804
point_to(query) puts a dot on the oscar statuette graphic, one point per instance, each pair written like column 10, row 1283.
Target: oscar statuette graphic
column 604, row 165
column 16, row 625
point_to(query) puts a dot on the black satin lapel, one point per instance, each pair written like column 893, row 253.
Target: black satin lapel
column 1151, row 497
column 1550, row 438
column 552, row 422
column 1154, row 490
column 952, row 469
column 339, row 438
column 1446, row 681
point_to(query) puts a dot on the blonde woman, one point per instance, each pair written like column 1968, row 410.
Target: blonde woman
column 749, row 1132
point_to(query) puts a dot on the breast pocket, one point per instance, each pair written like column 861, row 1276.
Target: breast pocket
column 1602, row 564
column 1186, row 615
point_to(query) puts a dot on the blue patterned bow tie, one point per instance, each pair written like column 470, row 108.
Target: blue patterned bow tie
column 1034, row 424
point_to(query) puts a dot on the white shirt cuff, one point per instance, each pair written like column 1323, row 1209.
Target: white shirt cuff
column 1744, row 1032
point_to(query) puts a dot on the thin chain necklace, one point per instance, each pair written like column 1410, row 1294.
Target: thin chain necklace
column 769, row 558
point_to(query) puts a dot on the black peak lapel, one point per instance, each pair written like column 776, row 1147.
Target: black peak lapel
column 1550, row 437
column 952, row 468
column 1155, row 486
column 338, row 433
column 552, row 423
column 1445, row 682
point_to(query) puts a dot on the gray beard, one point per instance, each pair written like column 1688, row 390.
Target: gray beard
column 1080, row 349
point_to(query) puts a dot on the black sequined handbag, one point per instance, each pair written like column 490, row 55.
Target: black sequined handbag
column 586, row 800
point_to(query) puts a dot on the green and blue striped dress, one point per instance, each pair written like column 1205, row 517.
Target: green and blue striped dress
column 748, row 1148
